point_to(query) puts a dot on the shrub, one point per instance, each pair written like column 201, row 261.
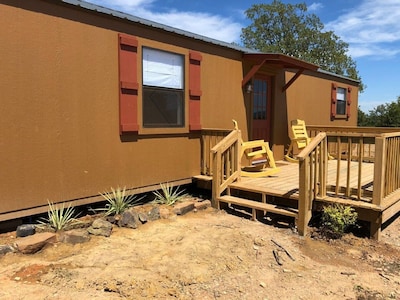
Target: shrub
column 58, row 217
column 168, row 195
column 118, row 201
column 337, row 218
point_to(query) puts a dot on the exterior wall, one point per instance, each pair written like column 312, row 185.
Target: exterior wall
column 309, row 99
column 60, row 110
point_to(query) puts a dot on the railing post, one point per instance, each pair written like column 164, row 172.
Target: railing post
column 216, row 182
column 238, row 163
column 324, row 167
column 379, row 170
column 304, row 196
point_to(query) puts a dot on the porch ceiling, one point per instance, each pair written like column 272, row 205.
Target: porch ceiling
column 281, row 60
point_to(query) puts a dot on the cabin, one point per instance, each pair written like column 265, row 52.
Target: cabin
column 93, row 98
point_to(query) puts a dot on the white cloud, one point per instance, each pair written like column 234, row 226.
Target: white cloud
column 373, row 28
column 315, row 7
column 210, row 25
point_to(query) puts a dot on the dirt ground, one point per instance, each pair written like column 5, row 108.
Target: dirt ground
column 206, row 255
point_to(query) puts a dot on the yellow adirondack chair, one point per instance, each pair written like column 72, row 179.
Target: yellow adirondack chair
column 259, row 157
column 298, row 141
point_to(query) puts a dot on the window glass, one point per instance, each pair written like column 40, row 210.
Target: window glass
column 163, row 89
column 340, row 101
column 162, row 108
column 162, row 69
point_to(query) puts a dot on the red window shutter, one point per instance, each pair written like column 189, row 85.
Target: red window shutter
column 333, row 101
column 128, row 83
column 348, row 99
column 194, row 90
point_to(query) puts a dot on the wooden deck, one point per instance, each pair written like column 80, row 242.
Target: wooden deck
column 364, row 174
column 285, row 184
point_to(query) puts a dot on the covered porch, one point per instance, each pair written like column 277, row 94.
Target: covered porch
column 364, row 173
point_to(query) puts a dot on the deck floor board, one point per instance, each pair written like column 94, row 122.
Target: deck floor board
column 286, row 182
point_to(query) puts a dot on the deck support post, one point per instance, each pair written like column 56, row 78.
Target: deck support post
column 375, row 227
column 304, row 196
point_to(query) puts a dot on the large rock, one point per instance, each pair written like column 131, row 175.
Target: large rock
column 183, row 208
column 6, row 249
column 100, row 227
column 129, row 219
column 202, row 205
column 75, row 236
column 154, row 214
column 33, row 243
column 165, row 213
column 25, row 230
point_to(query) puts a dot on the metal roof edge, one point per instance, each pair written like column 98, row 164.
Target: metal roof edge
column 132, row 18
column 337, row 75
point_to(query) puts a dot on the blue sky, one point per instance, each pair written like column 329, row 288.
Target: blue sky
column 370, row 27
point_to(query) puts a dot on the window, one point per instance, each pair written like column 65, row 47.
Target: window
column 163, row 89
column 340, row 102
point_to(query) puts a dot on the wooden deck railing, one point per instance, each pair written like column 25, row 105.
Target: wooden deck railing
column 354, row 145
column 225, row 163
column 313, row 168
column 387, row 168
column 209, row 138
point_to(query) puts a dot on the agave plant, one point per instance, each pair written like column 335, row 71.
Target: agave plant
column 118, row 201
column 58, row 217
column 168, row 195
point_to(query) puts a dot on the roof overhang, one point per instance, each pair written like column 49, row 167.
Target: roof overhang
column 280, row 60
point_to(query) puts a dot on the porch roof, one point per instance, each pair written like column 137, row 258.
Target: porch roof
column 282, row 60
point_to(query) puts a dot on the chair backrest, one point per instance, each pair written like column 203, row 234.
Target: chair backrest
column 300, row 134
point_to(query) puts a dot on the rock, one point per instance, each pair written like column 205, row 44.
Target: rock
column 100, row 227
column 263, row 284
column 33, row 243
column 44, row 228
column 142, row 218
column 6, row 249
column 164, row 213
column 287, row 271
column 25, row 230
column 259, row 241
column 78, row 224
column 202, row 205
column 154, row 214
column 129, row 219
column 183, row 208
column 112, row 219
column 75, row 236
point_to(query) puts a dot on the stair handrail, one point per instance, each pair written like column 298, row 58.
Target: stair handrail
column 313, row 173
column 226, row 163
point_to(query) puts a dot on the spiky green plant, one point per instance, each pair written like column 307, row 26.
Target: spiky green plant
column 118, row 201
column 337, row 218
column 168, row 195
column 58, row 217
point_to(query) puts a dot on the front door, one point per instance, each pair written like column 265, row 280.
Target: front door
column 261, row 108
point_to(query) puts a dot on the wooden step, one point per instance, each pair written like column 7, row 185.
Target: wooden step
column 255, row 205
column 293, row 194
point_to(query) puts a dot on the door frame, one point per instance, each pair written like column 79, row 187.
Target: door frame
column 268, row 100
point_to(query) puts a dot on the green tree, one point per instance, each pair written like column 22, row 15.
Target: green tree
column 289, row 29
column 362, row 118
column 385, row 115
